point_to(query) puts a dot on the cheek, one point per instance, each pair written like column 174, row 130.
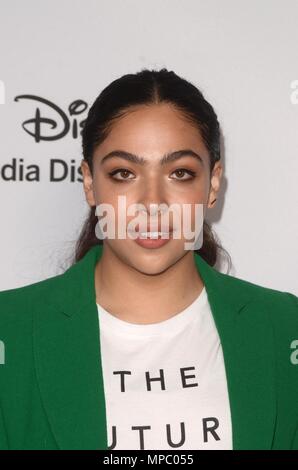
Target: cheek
column 191, row 208
column 191, row 195
column 105, row 191
column 190, row 192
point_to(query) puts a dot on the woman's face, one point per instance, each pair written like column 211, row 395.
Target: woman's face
column 151, row 132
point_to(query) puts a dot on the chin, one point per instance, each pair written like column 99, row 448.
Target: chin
column 148, row 261
column 149, row 270
column 153, row 263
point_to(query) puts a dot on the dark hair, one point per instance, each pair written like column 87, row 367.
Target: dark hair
column 144, row 88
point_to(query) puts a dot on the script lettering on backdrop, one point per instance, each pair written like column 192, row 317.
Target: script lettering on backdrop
column 49, row 122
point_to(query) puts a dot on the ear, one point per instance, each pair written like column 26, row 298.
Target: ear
column 215, row 184
column 88, row 183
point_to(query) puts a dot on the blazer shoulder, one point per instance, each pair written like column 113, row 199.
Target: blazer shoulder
column 16, row 303
column 281, row 305
column 259, row 290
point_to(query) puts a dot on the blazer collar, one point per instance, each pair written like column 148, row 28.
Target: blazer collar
column 68, row 361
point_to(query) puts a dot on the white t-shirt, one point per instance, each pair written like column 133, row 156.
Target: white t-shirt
column 165, row 383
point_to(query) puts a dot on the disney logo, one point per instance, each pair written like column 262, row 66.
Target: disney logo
column 40, row 123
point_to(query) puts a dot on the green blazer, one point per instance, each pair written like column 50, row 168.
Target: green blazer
column 51, row 383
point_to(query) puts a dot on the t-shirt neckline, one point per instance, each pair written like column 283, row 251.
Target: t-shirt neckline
column 168, row 326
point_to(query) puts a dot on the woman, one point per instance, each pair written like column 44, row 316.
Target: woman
column 142, row 343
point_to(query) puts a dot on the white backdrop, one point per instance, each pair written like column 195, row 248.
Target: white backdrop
column 243, row 57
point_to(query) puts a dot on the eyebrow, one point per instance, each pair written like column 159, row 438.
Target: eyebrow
column 168, row 157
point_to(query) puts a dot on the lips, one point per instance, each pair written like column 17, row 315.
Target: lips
column 150, row 243
column 159, row 229
column 154, row 235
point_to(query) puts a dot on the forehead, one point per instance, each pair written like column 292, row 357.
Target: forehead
column 152, row 131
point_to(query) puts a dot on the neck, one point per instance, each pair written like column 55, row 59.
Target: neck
column 141, row 298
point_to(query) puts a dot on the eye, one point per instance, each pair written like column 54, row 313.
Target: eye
column 181, row 172
column 122, row 171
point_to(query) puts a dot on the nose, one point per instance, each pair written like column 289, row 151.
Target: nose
column 155, row 206
column 152, row 197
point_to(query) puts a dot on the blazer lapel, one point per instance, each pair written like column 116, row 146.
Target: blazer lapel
column 67, row 358
column 247, row 342
column 66, row 342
